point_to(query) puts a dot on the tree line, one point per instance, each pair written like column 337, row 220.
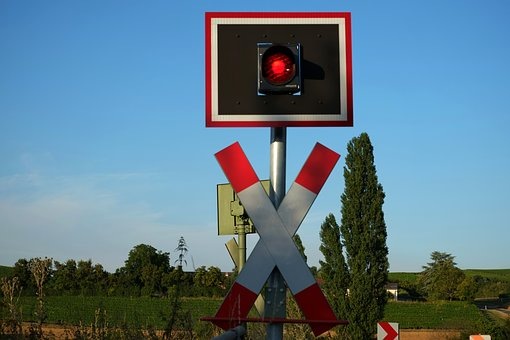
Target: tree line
column 441, row 279
column 146, row 272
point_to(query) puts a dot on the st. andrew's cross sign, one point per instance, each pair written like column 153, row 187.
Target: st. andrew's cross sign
column 276, row 247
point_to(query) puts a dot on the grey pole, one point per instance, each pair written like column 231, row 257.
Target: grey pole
column 241, row 236
column 275, row 296
column 232, row 334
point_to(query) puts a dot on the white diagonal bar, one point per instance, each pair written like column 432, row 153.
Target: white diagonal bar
column 292, row 212
column 274, row 236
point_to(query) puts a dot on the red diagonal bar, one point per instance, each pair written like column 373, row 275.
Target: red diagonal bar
column 237, row 167
column 235, row 307
column 317, row 168
column 314, row 306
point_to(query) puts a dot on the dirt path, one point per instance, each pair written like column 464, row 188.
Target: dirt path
column 428, row 334
column 503, row 313
column 67, row 332
column 61, row 332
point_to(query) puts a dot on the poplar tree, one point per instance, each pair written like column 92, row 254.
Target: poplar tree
column 333, row 272
column 300, row 246
column 363, row 231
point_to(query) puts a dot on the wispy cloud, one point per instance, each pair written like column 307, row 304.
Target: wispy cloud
column 84, row 217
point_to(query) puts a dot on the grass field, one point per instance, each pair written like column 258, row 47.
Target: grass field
column 400, row 277
column 145, row 312
column 496, row 274
column 117, row 311
column 437, row 315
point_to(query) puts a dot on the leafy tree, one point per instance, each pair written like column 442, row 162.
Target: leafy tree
column 488, row 287
column 334, row 271
column 91, row 279
column 209, row 281
column 467, row 289
column 26, row 280
column 441, row 278
column 364, row 233
column 200, row 274
column 214, row 277
column 64, row 280
column 85, row 277
column 144, row 269
column 152, row 277
column 82, row 277
column 411, row 287
column 101, row 278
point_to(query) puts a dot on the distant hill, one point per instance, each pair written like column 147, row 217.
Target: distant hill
column 401, row 276
column 496, row 274
column 6, row 271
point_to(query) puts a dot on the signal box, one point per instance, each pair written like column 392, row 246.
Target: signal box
column 231, row 214
column 278, row 69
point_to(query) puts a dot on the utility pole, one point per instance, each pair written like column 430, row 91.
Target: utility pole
column 275, row 297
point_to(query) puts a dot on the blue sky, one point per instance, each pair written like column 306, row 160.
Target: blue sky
column 103, row 143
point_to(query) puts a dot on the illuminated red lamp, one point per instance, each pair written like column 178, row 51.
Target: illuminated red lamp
column 279, row 69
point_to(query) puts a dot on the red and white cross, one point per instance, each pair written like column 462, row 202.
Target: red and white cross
column 276, row 247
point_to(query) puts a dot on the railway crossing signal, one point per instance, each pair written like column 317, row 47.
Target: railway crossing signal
column 276, row 70
column 276, row 247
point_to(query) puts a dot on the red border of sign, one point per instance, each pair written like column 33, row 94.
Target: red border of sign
column 209, row 16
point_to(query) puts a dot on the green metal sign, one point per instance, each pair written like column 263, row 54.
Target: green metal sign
column 231, row 213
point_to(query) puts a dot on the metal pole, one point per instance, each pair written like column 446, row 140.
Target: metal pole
column 276, row 291
column 241, row 237
column 232, row 334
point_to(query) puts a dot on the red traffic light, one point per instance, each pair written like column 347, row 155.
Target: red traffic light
column 279, row 68
column 278, row 65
